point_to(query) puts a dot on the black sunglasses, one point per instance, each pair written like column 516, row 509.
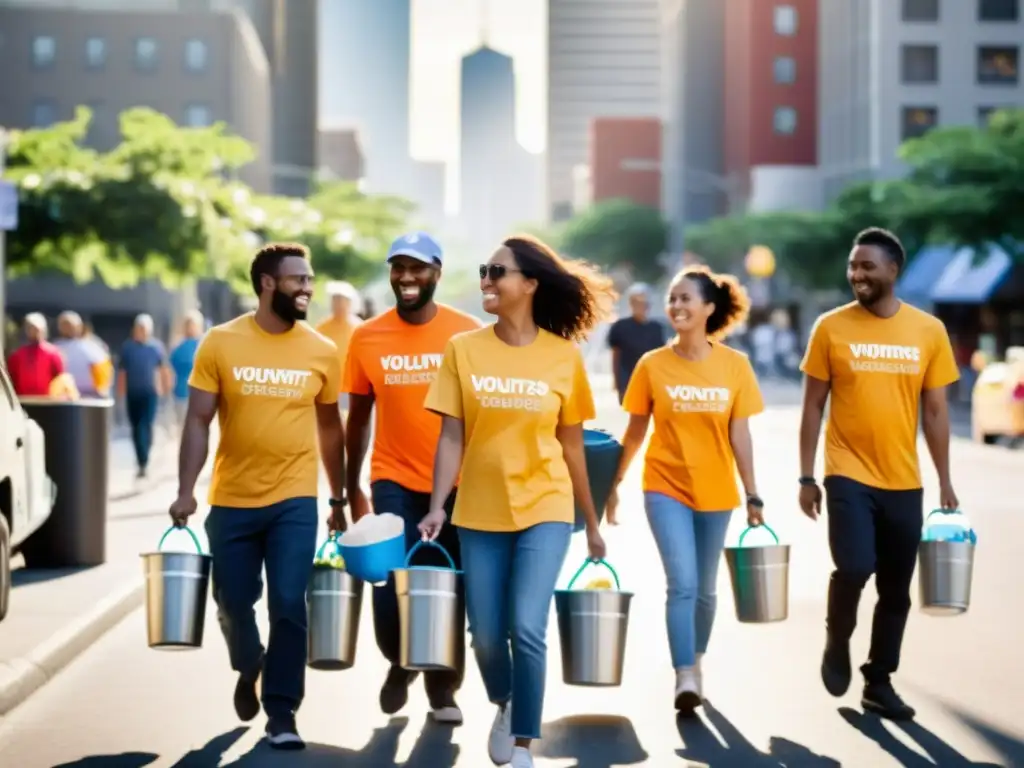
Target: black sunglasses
column 495, row 272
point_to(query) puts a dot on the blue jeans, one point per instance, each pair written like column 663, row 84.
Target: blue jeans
column 281, row 538
column 412, row 507
column 141, row 408
column 690, row 544
column 510, row 582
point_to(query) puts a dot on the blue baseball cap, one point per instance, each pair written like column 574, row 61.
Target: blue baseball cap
column 419, row 246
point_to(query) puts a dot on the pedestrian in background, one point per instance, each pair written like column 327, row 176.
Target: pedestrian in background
column 882, row 362
column 513, row 398
column 343, row 320
column 182, row 359
column 86, row 361
column 143, row 377
column 700, row 394
column 630, row 338
column 273, row 381
column 392, row 361
column 37, row 364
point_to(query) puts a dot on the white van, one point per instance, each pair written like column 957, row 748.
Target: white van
column 26, row 491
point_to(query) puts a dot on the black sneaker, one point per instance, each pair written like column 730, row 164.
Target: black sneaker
column 282, row 734
column 836, row 670
column 247, row 702
column 395, row 692
column 882, row 699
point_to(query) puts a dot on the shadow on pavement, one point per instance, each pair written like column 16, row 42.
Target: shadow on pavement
column 734, row 751
column 1010, row 747
column 593, row 741
column 23, row 577
column 124, row 760
column 939, row 752
column 210, row 755
column 433, row 749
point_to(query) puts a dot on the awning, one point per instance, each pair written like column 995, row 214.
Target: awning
column 924, row 270
column 966, row 282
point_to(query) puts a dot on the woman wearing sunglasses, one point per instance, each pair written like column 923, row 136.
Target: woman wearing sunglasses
column 701, row 395
column 513, row 397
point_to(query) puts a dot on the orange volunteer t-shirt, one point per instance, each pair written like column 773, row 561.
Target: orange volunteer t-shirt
column 396, row 362
column 689, row 457
column 267, row 386
column 340, row 332
column 511, row 400
column 877, row 368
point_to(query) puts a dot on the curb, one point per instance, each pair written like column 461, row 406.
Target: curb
column 23, row 677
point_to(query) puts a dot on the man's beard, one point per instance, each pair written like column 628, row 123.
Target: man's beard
column 425, row 297
column 283, row 305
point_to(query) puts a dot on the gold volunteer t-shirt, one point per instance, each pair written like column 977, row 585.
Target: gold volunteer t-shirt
column 877, row 368
column 267, row 385
column 511, row 400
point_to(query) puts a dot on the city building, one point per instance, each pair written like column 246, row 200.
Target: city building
column 429, row 186
column 340, row 153
column 625, row 160
column 603, row 61
column 198, row 68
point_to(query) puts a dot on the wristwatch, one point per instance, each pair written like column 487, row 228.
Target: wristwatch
column 342, row 502
column 754, row 501
column 807, row 481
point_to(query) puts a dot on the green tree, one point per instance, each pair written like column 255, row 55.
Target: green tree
column 619, row 233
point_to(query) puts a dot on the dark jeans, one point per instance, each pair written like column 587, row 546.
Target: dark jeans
column 872, row 531
column 281, row 538
column 412, row 506
column 141, row 407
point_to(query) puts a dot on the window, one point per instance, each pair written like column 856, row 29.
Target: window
column 95, row 53
column 197, row 116
column 784, row 120
column 146, row 51
column 785, row 20
column 44, row 51
column 920, row 10
column 998, row 64
column 785, row 69
column 998, row 10
column 917, row 121
column 196, row 56
column 919, row 63
column 44, row 113
column 984, row 113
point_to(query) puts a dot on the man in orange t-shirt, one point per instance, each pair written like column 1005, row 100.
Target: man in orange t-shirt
column 392, row 360
column 882, row 362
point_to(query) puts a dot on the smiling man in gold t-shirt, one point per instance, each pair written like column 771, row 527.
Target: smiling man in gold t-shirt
column 881, row 361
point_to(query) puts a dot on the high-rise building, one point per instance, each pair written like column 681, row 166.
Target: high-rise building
column 625, row 160
column 340, row 152
column 366, row 46
column 603, row 61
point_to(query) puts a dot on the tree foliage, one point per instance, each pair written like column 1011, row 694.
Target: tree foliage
column 166, row 203
column 964, row 187
column 618, row 233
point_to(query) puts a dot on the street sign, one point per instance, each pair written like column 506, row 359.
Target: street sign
column 8, row 206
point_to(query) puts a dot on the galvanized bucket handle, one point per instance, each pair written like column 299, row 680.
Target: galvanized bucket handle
column 750, row 528
column 419, row 544
column 942, row 512
column 332, row 541
column 591, row 561
column 186, row 529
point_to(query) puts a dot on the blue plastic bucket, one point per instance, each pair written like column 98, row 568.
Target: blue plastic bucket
column 602, row 452
column 373, row 563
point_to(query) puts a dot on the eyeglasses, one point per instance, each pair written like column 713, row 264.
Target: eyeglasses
column 495, row 272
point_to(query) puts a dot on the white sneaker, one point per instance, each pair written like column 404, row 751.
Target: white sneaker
column 521, row 758
column 687, row 690
column 450, row 715
column 699, row 671
column 500, row 744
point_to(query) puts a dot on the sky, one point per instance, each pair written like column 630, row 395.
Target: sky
column 443, row 31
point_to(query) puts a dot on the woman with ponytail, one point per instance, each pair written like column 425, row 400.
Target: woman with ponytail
column 700, row 394
column 512, row 398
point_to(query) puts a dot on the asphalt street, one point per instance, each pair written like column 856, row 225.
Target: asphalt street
column 121, row 705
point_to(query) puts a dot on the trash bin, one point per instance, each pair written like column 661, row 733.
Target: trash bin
column 77, row 461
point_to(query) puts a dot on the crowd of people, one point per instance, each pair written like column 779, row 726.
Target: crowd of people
column 475, row 439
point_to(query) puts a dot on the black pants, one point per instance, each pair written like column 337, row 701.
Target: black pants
column 872, row 531
column 412, row 507
column 142, row 408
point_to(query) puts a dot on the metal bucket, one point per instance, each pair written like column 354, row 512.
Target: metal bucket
column 946, row 572
column 335, row 600
column 431, row 613
column 592, row 628
column 760, row 580
column 177, row 584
